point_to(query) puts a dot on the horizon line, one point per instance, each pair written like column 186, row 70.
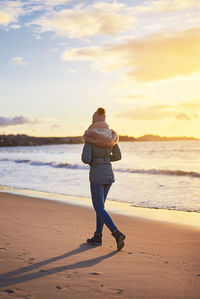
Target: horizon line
column 120, row 135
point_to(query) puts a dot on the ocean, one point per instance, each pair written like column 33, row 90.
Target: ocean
column 162, row 175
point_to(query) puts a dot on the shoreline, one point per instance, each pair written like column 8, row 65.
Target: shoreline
column 183, row 218
column 44, row 254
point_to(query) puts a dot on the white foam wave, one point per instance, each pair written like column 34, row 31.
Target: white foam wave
column 127, row 170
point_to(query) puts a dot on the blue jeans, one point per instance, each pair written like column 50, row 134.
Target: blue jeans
column 99, row 193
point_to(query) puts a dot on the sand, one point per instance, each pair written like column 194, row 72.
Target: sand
column 43, row 254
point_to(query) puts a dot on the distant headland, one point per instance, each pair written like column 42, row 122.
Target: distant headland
column 25, row 140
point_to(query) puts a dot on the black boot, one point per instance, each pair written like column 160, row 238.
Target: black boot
column 119, row 237
column 96, row 240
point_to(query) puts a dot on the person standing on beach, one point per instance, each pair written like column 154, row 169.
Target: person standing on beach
column 100, row 149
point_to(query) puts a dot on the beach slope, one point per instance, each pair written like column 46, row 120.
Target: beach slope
column 43, row 254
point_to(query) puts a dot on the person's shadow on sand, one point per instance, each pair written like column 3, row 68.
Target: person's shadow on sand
column 16, row 276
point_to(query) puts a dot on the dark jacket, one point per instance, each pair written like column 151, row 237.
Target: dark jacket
column 99, row 159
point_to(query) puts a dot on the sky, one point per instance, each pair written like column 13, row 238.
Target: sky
column 62, row 59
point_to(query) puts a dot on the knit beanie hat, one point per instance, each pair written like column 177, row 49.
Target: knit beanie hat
column 99, row 115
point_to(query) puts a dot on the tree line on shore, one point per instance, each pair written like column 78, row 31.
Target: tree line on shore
column 25, row 140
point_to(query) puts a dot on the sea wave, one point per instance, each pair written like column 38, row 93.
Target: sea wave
column 161, row 172
column 126, row 170
column 51, row 164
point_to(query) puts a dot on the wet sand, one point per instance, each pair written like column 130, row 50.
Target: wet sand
column 43, row 254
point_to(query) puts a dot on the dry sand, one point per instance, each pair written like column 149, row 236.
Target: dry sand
column 43, row 254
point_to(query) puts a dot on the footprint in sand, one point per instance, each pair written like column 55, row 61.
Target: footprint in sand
column 76, row 273
column 43, row 270
column 31, row 259
column 119, row 291
column 3, row 248
column 24, row 257
column 95, row 273
column 20, row 257
column 9, row 291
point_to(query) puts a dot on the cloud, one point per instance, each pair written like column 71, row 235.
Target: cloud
column 96, row 19
column 87, row 20
column 193, row 104
column 17, row 120
column 103, row 59
column 5, row 18
column 155, row 112
column 154, row 57
column 55, row 2
column 182, row 116
column 19, row 61
column 125, row 98
column 55, row 126
column 167, row 6
column 15, row 26
column 10, row 11
column 51, row 3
